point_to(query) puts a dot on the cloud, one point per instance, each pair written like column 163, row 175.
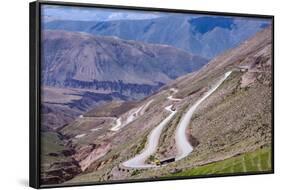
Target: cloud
column 54, row 12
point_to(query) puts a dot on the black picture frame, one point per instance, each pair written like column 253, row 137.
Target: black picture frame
column 34, row 89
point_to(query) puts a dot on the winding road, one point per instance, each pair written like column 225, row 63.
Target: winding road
column 152, row 143
column 117, row 126
column 132, row 117
column 183, row 146
column 173, row 99
column 153, row 139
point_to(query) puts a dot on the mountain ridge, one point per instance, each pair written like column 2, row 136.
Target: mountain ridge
column 83, row 57
column 164, row 29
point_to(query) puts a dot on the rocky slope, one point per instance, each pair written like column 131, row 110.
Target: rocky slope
column 237, row 117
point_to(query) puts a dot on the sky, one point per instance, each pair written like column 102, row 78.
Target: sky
column 53, row 12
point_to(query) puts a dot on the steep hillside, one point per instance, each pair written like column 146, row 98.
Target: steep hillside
column 204, row 36
column 85, row 61
column 237, row 117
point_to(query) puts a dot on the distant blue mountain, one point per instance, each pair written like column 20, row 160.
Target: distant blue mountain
column 206, row 24
column 206, row 36
column 265, row 25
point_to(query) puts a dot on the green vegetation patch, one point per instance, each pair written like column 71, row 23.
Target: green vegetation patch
column 136, row 172
column 51, row 143
column 257, row 161
column 141, row 145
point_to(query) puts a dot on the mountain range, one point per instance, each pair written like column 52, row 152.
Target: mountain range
column 206, row 36
column 81, row 71
column 81, row 60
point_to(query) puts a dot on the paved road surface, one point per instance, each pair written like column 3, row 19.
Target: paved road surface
column 132, row 117
column 182, row 143
column 152, row 142
column 183, row 146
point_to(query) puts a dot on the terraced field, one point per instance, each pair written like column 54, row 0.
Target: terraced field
column 257, row 161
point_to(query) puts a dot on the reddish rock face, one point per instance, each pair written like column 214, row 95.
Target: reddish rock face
column 94, row 155
column 60, row 172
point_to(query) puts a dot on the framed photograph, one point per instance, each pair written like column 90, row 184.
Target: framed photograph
column 131, row 94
